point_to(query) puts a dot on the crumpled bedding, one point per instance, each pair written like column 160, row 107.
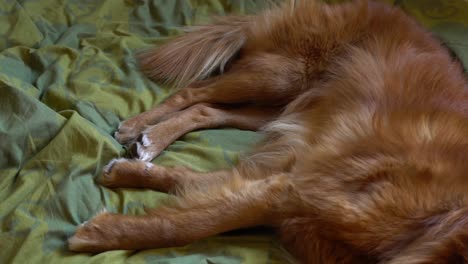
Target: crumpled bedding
column 68, row 76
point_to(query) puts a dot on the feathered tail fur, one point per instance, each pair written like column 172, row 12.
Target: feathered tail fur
column 196, row 54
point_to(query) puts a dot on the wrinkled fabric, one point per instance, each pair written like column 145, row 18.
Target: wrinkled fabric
column 68, row 76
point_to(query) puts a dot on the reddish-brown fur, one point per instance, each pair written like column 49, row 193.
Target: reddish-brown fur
column 365, row 151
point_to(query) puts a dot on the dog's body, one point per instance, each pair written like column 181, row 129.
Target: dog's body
column 365, row 150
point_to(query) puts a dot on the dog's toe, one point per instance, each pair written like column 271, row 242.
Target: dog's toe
column 110, row 165
column 109, row 173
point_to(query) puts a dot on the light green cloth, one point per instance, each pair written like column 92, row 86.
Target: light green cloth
column 68, row 76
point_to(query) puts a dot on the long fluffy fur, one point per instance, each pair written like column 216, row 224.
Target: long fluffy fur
column 197, row 54
column 371, row 144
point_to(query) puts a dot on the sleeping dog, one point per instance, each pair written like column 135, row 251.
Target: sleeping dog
column 365, row 150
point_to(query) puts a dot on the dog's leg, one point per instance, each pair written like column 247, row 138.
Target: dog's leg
column 122, row 173
column 240, row 204
column 258, row 80
column 156, row 138
column 274, row 155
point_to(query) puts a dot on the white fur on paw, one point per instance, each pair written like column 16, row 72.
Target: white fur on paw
column 146, row 141
column 144, row 154
column 109, row 166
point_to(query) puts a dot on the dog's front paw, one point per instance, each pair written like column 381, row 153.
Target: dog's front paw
column 146, row 148
column 129, row 130
column 152, row 142
column 124, row 173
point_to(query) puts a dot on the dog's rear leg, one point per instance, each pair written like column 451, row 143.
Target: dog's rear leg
column 239, row 204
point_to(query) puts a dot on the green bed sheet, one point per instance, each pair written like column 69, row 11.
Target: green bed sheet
column 68, row 76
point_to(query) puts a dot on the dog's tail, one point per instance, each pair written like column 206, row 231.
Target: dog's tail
column 196, row 54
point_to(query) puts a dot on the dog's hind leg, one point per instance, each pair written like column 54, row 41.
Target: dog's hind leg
column 239, row 204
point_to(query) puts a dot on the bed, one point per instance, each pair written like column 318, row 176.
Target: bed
column 68, row 76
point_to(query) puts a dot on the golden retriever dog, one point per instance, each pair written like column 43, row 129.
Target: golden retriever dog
column 365, row 150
